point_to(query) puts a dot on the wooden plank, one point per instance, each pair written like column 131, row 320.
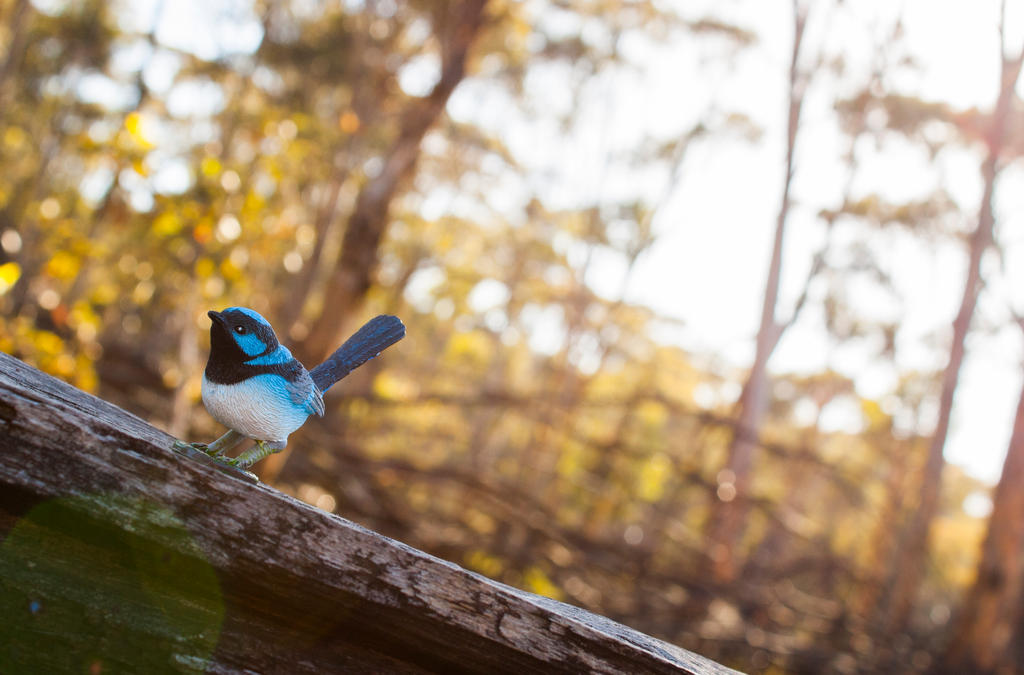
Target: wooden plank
column 121, row 555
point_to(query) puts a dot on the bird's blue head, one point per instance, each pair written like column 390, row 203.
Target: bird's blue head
column 239, row 334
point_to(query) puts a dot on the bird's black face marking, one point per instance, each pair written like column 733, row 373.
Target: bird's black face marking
column 237, row 337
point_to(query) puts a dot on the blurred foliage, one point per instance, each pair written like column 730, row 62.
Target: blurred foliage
column 528, row 427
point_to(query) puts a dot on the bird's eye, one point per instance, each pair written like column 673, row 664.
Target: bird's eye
column 240, row 330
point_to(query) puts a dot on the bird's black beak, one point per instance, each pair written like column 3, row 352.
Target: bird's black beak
column 222, row 348
column 219, row 325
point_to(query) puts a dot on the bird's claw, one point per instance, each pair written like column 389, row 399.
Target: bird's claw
column 217, row 456
column 201, row 447
column 235, row 464
column 182, row 446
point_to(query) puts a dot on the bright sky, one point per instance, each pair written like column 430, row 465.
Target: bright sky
column 709, row 264
column 931, row 280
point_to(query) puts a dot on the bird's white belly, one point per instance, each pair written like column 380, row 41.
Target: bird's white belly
column 252, row 408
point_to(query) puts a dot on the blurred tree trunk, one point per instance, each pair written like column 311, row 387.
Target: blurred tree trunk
column 726, row 525
column 913, row 545
column 459, row 24
column 991, row 610
column 290, row 312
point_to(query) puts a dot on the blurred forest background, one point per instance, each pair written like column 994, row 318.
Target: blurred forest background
column 542, row 423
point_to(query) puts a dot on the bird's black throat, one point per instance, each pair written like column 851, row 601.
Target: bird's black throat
column 233, row 373
column 227, row 363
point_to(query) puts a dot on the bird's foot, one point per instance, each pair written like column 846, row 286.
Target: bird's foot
column 254, row 454
column 236, row 465
column 182, row 446
column 201, row 447
column 233, row 463
column 214, row 452
column 226, row 442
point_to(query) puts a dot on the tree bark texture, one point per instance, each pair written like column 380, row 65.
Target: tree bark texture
column 119, row 555
column 727, row 524
column 913, row 545
column 991, row 609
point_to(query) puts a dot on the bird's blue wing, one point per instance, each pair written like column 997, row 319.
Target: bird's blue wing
column 304, row 393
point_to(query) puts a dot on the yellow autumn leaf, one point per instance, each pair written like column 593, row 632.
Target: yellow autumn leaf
column 191, row 210
column 571, row 460
column 63, row 366
column 14, row 138
column 389, row 386
column 473, row 346
column 166, row 224
column 485, row 564
column 63, row 265
column 230, row 271
column 134, row 124
column 205, row 267
column 873, row 413
column 539, row 583
column 653, row 474
column 85, row 375
column 48, row 344
column 210, row 166
column 105, row 292
column 9, row 275
column 652, row 413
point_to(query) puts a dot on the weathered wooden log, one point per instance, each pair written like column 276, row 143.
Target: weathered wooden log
column 120, row 555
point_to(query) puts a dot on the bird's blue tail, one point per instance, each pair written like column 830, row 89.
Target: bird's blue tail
column 375, row 336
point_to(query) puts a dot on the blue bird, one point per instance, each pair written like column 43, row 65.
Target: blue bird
column 256, row 388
